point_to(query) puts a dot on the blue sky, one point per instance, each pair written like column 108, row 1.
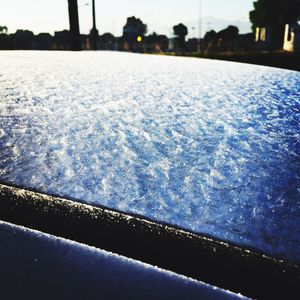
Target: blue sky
column 159, row 15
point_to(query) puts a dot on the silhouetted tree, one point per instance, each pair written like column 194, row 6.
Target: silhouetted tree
column 229, row 33
column 224, row 40
column 270, row 12
column 210, row 41
column 133, row 28
column 62, row 40
column 3, row 29
column 43, row 41
column 107, row 36
column 245, row 42
column 227, row 38
column 274, row 15
column 22, row 39
column 181, row 32
column 157, row 43
column 107, row 41
column 210, row 35
column 4, row 38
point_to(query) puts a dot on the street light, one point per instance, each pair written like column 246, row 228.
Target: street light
column 94, row 31
column 200, row 26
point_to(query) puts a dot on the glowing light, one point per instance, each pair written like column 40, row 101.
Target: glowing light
column 139, row 38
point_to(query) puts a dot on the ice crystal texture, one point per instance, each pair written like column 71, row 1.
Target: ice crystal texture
column 210, row 146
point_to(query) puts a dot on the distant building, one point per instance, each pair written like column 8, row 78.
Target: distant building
column 262, row 38
column 292, row 38
column 269, row 38
column 282, row 38
column 260, row 34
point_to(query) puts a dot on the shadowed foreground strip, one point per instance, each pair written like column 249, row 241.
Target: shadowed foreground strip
column 35, row 265
column 211, row 261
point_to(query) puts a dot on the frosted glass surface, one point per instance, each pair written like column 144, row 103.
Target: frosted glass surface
column 210, row 146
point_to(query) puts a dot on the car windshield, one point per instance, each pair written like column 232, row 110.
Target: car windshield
column 210, row 146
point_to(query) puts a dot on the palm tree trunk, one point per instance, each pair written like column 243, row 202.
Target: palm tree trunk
column 74, row 25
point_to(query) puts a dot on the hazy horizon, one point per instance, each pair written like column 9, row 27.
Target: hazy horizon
column 52, row 15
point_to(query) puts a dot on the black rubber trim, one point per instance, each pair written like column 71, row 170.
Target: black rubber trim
column 250, row 273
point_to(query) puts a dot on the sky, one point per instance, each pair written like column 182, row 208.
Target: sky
column 160, row 15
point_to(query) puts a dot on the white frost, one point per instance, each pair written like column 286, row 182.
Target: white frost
column 211, row 146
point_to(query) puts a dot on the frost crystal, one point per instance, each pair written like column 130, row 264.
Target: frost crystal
column 210, row 146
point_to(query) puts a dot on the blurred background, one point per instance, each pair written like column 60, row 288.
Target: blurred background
column 262, row 32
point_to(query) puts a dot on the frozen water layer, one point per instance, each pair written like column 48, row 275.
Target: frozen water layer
column 210, row 146
column 41, row 266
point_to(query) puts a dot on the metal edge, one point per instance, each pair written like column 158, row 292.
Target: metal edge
column 221, row 264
